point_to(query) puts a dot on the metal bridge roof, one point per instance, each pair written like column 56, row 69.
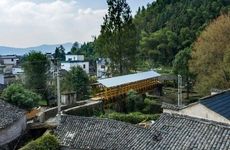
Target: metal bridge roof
column 120, row 80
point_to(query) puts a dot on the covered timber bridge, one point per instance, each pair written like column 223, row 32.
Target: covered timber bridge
column 115, row 87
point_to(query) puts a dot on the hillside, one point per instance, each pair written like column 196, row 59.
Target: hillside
column 167, row 26
column 43, row 48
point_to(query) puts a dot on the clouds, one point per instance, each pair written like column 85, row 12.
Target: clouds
column 29, row 23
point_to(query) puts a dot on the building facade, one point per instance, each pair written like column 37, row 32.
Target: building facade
column 74, row 61
column 215, row 107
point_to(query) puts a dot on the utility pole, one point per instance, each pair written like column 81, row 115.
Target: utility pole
column 56, row 63
column 179, row 97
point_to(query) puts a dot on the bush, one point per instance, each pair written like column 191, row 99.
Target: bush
column 134, row 101
column 151, row 106
column 134, row 118
column 46, row 142
column 17, row 95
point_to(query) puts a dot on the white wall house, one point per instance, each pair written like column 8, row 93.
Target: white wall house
column 74, row 61
column 68, row 65
column 2, row 79
column 199, row 111
column 214, row 107
column 74, row 58
column 9, row 60
column 17, row 70
column 101, row 68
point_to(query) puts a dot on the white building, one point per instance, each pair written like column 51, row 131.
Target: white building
column 74, row 58
column 68, row 65
column 101, row 68
column 17, row 70
column 2, row 78
column 10, row 60
column 74, row 61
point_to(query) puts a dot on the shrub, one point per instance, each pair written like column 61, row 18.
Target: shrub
column 151, row 106
column 134, row 101
column 17, row 95
column 46, row 142
column 134, row 118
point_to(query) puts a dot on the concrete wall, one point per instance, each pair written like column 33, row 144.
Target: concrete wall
column 2, row 79
column 199, row 111
column 75, row 58
column 10, row 61
column 52, row 112
column 67, row 65
column 13, row 131
column 17, row 71
column 67, row 99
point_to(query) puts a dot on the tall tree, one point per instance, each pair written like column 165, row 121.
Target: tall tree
column 182, row 20
column 118, row 38
column 60, row 53
column 76, row 80
column 211, row 56
column 181, row 66
column 36, row 67
column 75, row 48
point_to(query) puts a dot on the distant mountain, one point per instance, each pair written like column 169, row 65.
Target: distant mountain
column 43, row 48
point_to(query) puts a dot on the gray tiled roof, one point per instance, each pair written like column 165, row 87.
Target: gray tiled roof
column 91, row 133
column 9, row 114
column 170, row 106
column 188, row 133
column 219, row 103
column 170, row 132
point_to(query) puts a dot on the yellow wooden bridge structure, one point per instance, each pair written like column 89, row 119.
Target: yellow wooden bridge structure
column 119, row 86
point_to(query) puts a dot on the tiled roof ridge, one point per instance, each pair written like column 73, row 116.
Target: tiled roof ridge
column 202, row 120
column 170, row 106
column 64, row 117
column 214, row 95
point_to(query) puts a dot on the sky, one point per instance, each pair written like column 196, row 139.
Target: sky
column 26, row 23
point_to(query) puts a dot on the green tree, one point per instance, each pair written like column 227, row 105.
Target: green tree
column 46, row 142
column 60, row 53
column 36, row 66
column 159, row 47
column 166, row 27
column 181, row 66
column 210, row 56
column 134, row 101
column 17, row 95
column 118, row 37
column 76, row 80
column 75, row 48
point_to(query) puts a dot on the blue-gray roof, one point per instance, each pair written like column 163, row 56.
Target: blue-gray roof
column 126, row 79
column 9, row 114
column 219, row 103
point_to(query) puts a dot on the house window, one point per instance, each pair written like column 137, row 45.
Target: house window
column 84, row 66
column 12, row 59
column 102, row 66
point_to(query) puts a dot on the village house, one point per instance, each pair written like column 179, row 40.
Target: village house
column 9, row 69
column 12, row 124
column 170, row 131
column 102, row 67
column 74, row 61
column 215, row 107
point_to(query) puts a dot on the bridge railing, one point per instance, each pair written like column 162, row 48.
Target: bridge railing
column 144, row 85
